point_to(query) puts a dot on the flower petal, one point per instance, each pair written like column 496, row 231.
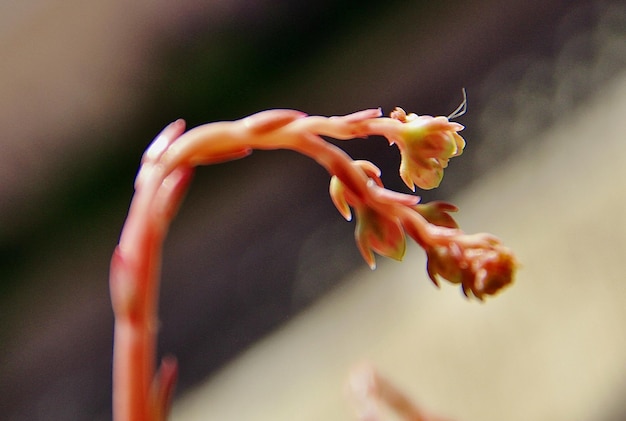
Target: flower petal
column 338, row 196
column 380, row 233
column 436, row 213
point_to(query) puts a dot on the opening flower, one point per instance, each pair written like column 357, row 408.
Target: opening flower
column 426, row 145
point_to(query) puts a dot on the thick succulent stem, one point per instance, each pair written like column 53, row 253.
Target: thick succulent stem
column 134, row 285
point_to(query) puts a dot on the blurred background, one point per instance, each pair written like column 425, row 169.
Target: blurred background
column 265, row 300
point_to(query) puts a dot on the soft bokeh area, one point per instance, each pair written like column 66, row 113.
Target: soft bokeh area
column 265, row 300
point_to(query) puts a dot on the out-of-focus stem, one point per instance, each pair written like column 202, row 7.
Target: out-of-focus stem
column 369, row 388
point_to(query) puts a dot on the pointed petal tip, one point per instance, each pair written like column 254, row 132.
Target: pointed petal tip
column 367, row 254
column 370, row 260
column 432, row 275
column 408, row 181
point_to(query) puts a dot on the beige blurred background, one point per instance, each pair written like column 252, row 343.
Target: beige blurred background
column 265, row 300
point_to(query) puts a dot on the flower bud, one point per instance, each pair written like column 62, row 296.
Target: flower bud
column 480, row 263
column 375, row 231
column 380, row 233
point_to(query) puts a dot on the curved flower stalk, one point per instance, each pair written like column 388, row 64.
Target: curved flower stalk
column 383, row 219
